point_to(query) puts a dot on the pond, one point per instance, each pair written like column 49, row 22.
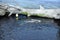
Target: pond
column 28, row 29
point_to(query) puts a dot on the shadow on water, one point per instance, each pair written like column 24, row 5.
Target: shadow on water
column 4, row 23
column 1, row 28
column 57, row 21
column 1, row 33
column 58, row 33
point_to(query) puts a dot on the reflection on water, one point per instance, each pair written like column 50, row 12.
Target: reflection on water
column 28, row 29
column 57, row 21
column 58, row 32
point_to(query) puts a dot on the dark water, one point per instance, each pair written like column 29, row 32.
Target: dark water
column 28, row 29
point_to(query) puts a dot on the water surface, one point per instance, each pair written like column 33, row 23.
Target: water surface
column 28, row 29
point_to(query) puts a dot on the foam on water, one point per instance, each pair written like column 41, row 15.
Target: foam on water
column 32, row 21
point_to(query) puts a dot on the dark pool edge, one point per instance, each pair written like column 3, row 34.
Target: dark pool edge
column 13, row 15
